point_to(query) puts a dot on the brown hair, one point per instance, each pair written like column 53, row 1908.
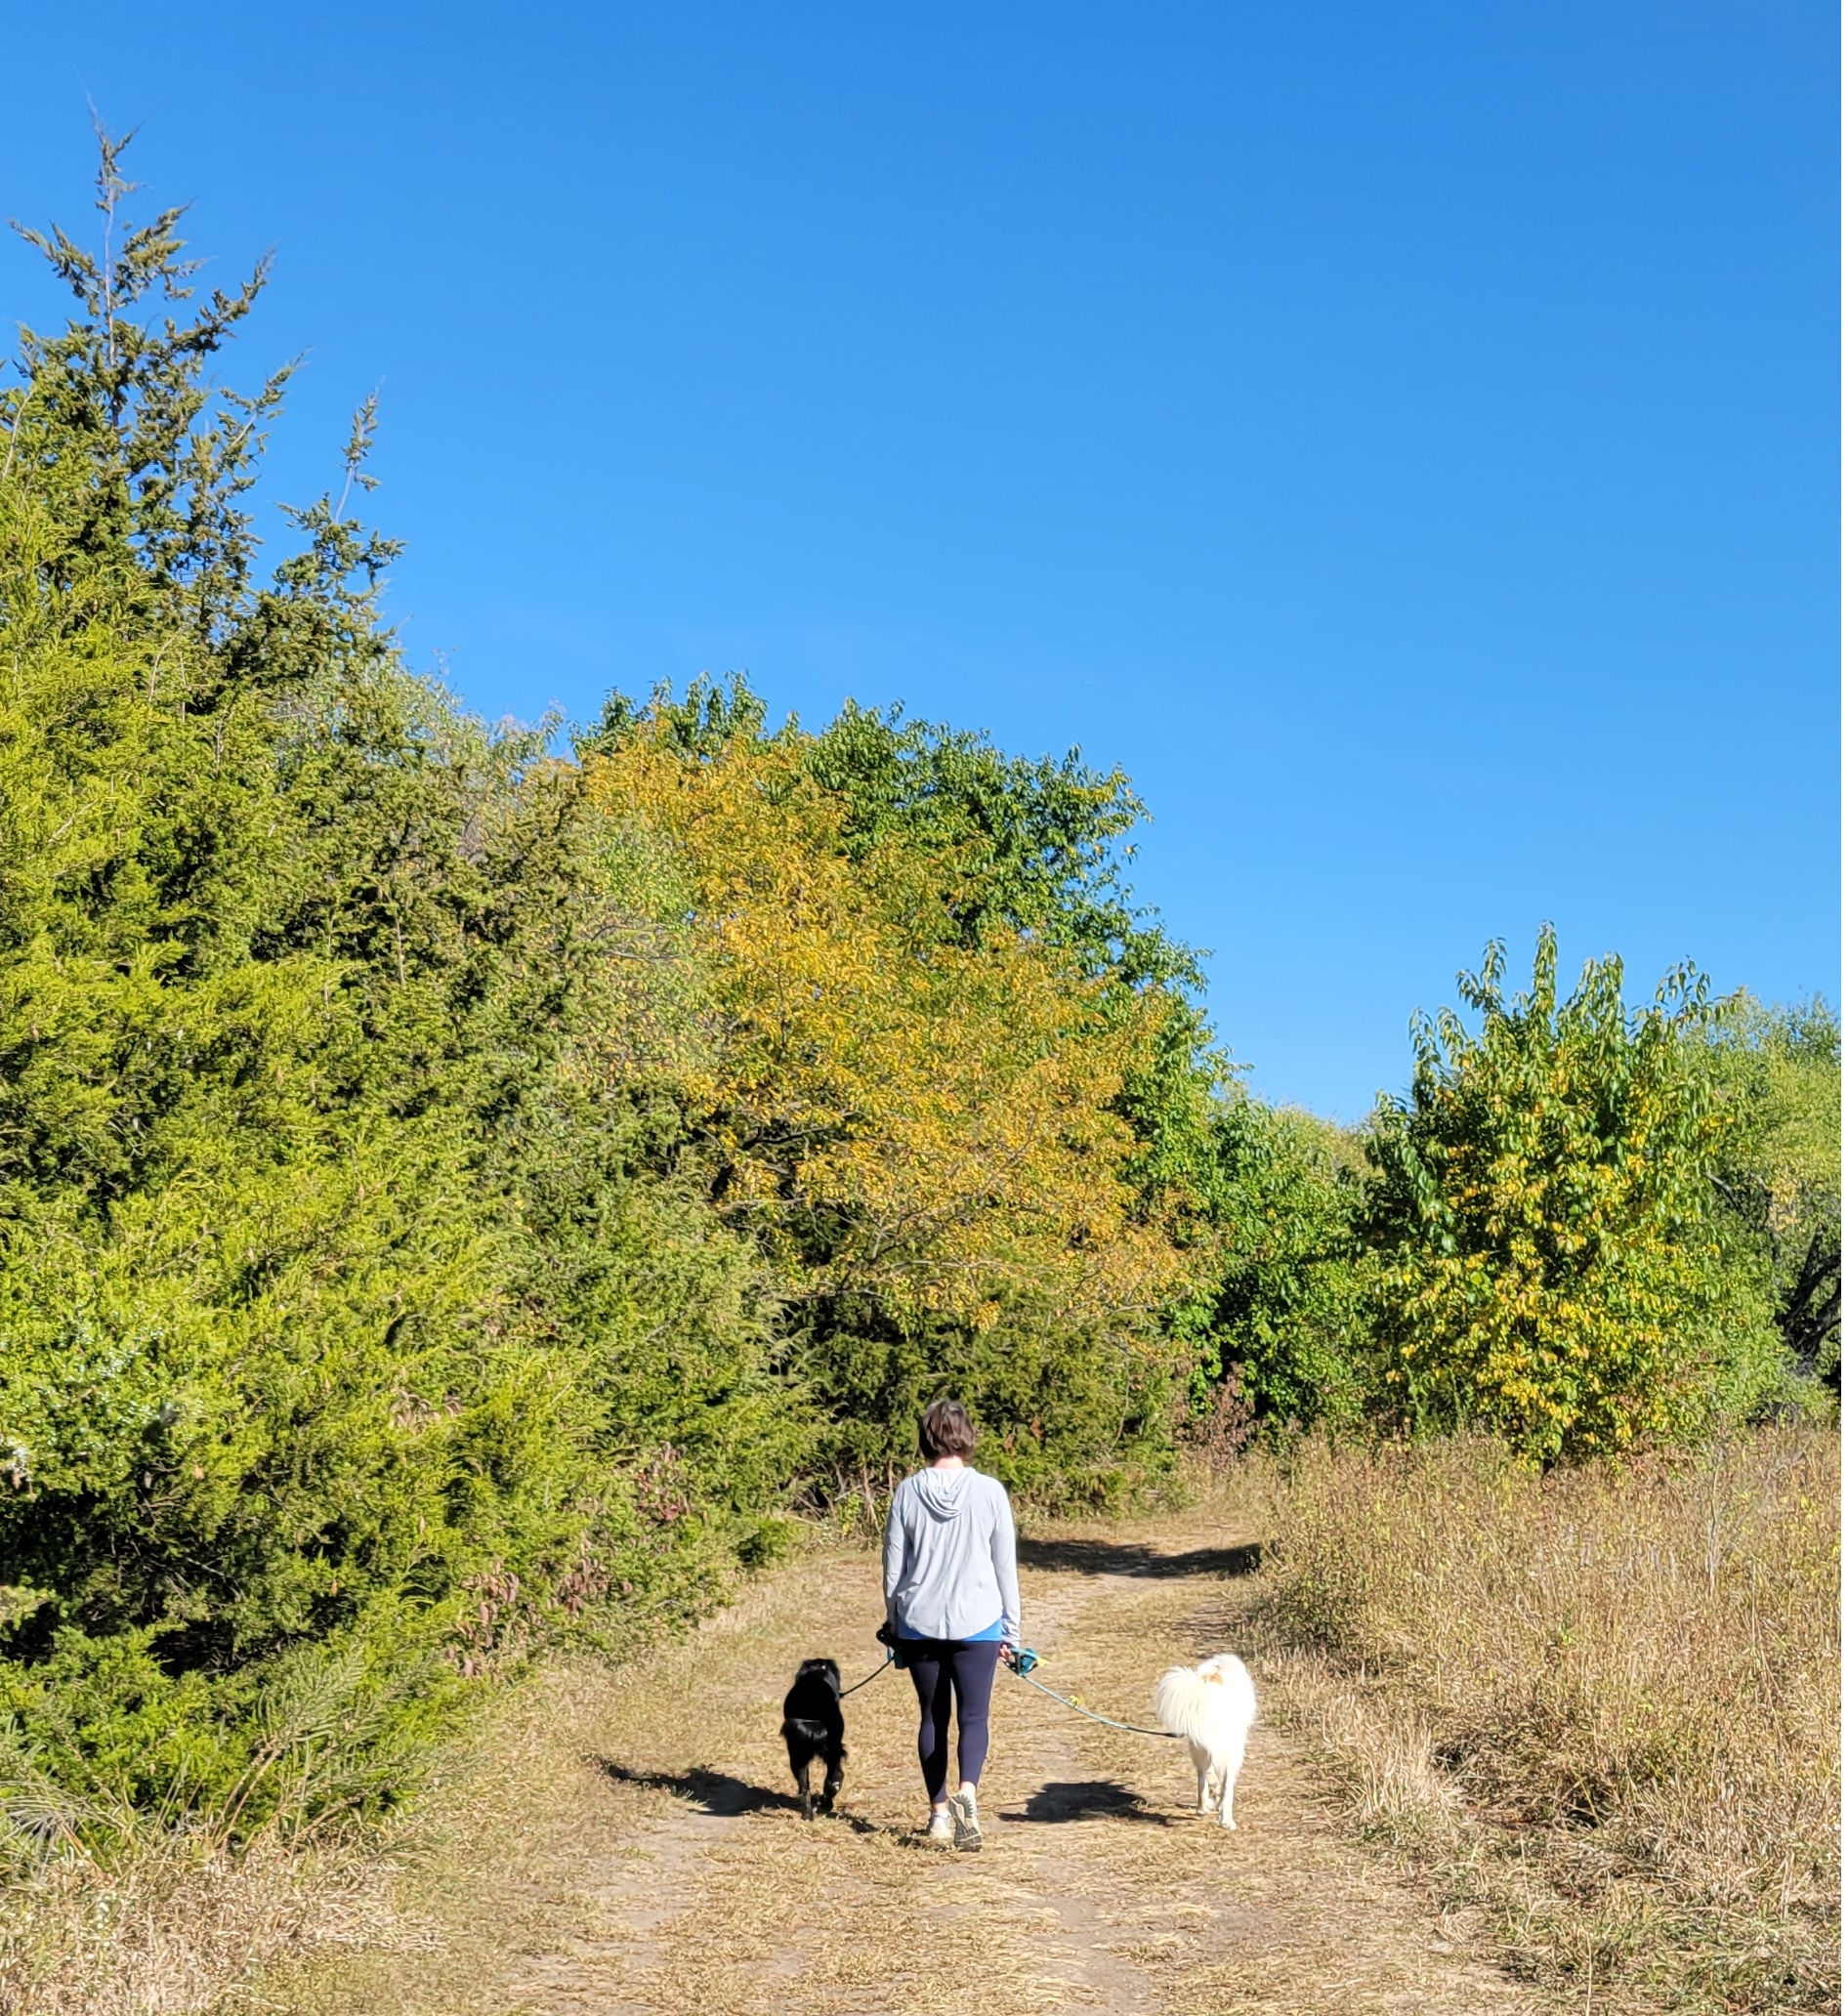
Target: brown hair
column 946, row 1430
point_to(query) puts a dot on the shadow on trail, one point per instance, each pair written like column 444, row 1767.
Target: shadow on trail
column 718, row 1795
column 1098, row 1799
column 1131, row 1557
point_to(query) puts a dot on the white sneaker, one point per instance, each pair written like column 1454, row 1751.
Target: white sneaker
column 962, row 1813
column 941, row 1826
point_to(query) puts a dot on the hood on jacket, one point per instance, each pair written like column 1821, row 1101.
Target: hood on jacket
column 945, row 1491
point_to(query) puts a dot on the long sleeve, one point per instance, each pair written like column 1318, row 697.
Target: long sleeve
column 1007, row 1581
column 894, row 1552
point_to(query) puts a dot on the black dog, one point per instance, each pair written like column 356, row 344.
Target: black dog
column 813, row 1727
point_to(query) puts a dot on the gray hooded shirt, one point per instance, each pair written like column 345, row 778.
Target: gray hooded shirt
column 949, row 1557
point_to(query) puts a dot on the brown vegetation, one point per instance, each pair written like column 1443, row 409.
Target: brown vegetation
column 170, row 1921
column 1597, row 1708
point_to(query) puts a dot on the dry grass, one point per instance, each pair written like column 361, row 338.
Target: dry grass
column 170, row 1925
column 1599, row 1710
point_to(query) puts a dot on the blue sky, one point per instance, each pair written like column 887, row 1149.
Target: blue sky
column 1403, row 438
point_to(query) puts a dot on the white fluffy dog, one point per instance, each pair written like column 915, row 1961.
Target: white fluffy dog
column 1212, row 1705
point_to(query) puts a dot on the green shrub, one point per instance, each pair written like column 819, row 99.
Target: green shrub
column 1778, row 1169
column 1285, row 1321
column 1549, row 1264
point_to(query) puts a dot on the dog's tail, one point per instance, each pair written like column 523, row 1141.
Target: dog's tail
column 1176, row 1696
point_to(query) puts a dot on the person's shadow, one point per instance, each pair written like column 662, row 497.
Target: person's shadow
column 1097, row 1798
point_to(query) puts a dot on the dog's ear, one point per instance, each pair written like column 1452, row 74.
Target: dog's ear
column 1216, row 1678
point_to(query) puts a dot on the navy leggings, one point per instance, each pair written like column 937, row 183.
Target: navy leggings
column 938, row 1667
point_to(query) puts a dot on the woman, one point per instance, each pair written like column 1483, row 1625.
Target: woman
column 953, row 1604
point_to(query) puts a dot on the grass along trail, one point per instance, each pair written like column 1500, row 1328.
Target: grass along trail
column 631, row 1842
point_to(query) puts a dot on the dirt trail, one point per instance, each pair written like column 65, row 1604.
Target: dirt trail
column 634, row 1846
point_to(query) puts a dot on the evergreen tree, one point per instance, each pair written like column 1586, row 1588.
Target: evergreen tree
column 350, row 1322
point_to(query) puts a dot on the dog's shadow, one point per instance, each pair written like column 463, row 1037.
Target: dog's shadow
column 718, row 1795
column 1075, row 1556
column 1097, row 1798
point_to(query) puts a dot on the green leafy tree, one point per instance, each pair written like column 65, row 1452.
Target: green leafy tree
column 1283, row 1322
column 1549, row 1263
column 1778, row 1169
column 1038, row 843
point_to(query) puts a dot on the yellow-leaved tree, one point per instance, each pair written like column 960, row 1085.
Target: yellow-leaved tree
column 922, row 1126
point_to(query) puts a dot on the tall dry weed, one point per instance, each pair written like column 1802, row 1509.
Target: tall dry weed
column 109, row 1910
column 170, row 1925
column 1600, row 1706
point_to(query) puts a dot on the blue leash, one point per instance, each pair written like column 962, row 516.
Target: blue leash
column 1020, row 1670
